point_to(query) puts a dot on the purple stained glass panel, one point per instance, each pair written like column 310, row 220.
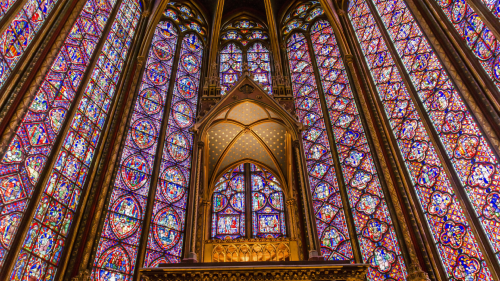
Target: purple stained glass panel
column 438, row 201
column 61, row 196
column 117, row 249
column 374, row 227
column 228, row 205
column 268, row 208
column 166, row 234
column 259, row 61
column 472, row 157
column 492, row 5
column 21, row 31
column 27, row 153
column 330, row 218
column 231, row 58
column 476, row 35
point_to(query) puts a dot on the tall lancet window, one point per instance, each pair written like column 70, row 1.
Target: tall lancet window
column 477, row 36
column 465, row 146
column 248, row 187
column 41, row 127
column 21, row 31
column 244, row 41
column 325, row 98
column 166, row 104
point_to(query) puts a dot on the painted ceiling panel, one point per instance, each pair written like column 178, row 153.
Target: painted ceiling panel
column 273, row 134
column 247, row 146
column 219, row 138
column 247, row 113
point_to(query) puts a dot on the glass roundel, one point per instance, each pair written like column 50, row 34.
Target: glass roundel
column 230, row 202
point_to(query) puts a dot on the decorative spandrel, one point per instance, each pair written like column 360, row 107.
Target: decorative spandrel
column 443, row 213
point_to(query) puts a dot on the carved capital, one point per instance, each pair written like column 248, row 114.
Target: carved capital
column 146, row 14
column 341, row 13
column 140, row 61
column 201, row 145
column 296, row 144
column 348, row 58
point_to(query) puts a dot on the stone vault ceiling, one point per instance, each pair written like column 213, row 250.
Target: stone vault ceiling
column 246, row 131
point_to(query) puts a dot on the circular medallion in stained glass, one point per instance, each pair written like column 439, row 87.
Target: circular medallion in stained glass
column 123, row 218
column 163, row 50
column 171, row 191
column 108, row 262
column 276, row 201
column 258, row 201
column 193, row 43
column 238, row 202
column 174, row 175
column 134, row 171
column 178, row 146
column 220, row 202
column 183, row 114
column 143, row 133
column 186, row 87
column 157, row 73
column 190, row 63
column 151, row 101
column 166, row 228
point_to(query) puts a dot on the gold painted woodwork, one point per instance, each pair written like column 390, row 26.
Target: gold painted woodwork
column 251, row 250
column 261, row 271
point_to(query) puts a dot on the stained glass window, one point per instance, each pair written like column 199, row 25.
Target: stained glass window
column 253, row 38
column 20, row 32
column 374, row 227
column 268, row 208
column 5, row 6
column 229, row 202
column 259, row 62
column 443, row 213
column 49, row 229
column 330, row 219
column 470, row 154
column 27, row 153
column 119, row 242
column 117, row 250
column 167, row 225
column 493, row 6
column 476, row 35
column 228, row 205
column 231, row 58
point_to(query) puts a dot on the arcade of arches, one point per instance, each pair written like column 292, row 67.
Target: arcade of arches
column 250, row 140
